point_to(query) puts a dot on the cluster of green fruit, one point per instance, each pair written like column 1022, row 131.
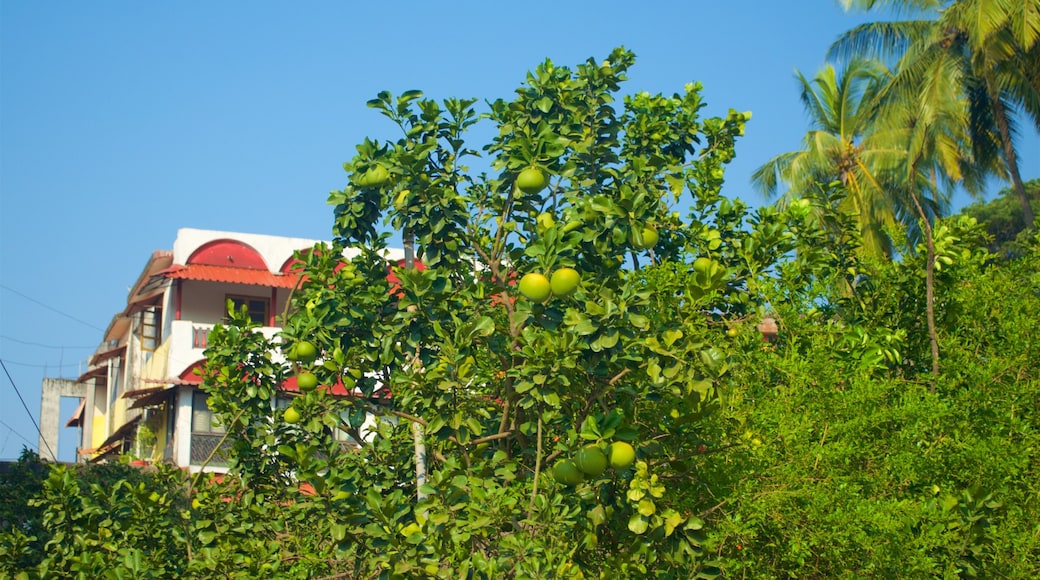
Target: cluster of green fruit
column 306, row 381
column 592, row 461
column 537, row 287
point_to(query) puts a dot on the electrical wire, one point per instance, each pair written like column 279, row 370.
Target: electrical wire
column 41, row 345
column 43, row 366
column 26, row 407
column 51, row 308
column 17, row 434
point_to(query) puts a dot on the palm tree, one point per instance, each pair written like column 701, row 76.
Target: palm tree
column 930, row 124
column 994, row 43
column 846, row 144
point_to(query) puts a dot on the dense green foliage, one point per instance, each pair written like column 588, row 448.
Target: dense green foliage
column 1002, row 217
column 852, row 466
column 829, row 451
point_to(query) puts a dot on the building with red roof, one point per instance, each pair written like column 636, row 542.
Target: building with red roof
column 141, row 394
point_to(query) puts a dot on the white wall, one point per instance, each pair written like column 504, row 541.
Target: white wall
column 275, row 250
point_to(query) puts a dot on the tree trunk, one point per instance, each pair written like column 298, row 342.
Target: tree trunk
column 417, row 433
column 1000, row 113
column 929, row 281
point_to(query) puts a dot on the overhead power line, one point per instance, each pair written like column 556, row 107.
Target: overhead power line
column 41, row 345
column 26, row 407
column 43, row 366
column 17, row 434
column 52, row 309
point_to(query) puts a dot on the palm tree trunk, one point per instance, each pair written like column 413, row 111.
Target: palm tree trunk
column 1009, row 153
column 929, row 280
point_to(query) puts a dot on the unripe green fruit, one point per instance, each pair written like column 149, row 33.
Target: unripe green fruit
column 702, row 265
column 306, row 381
column 291, row 416
column 564, row 282
column 535, row 287
column 306, row 351
column 622, row 455
column 649, row 238
column 566, row 472
column 377, row 176
column 592, row 461
column 532, row 180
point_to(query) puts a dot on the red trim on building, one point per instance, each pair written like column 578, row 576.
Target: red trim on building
column 289, row 264
column 229, row 275
column 77, row 417
column 188, row 375
column 228, row 253
column 177, row 300
column 395, row 282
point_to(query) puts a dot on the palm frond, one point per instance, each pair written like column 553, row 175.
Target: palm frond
column 885, row 41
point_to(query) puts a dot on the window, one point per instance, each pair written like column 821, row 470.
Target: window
column 257, row 308
column 202, row 419
column 149, row 328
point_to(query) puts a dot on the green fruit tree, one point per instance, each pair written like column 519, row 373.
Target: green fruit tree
column 463, row 393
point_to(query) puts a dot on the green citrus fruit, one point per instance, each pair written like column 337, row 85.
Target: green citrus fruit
column 566, row 472
column 292, row 416
column 306, row 381
column 306, row 351
column 377, row 176
column 564, row 281
column 649, row 238
column 535, row 286
column 592, row 461
column 621, row 455
column 732, row 332
column 532, row 180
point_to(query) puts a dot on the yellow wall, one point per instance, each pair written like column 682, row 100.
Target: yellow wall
column 98, row 433
column 156, row 368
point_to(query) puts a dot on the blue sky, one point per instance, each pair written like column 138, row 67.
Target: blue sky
column 121, row 122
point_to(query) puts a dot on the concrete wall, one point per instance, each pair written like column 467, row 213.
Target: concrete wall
column 50, row 412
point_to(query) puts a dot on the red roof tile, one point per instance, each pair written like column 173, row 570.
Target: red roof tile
column 230, row 275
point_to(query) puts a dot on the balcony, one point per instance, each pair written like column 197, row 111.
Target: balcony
column 189, row 340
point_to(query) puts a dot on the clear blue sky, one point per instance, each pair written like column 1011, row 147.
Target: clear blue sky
column 124, row 121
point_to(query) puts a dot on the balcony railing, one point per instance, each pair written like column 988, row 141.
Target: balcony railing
column 189, row 339
column 202, row 444
column 199, row 335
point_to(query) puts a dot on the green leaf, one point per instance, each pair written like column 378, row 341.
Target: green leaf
column 597, row 515
column 638, row 524
column 672, row 519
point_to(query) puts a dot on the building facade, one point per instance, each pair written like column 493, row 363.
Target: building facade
column 141, row 394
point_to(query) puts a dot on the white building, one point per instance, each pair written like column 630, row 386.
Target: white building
column 141, row 394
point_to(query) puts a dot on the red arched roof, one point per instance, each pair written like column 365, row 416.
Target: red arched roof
column 188, row 376
column 228, row 253
column 287, row 266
